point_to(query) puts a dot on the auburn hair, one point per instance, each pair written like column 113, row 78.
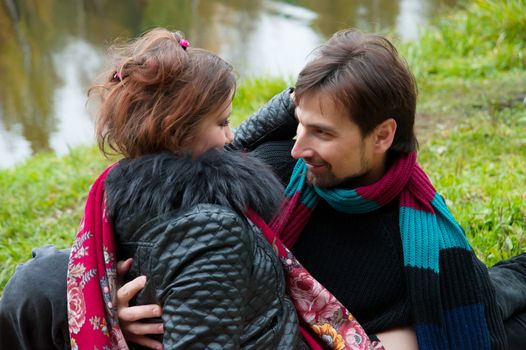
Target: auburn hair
column 156, row 93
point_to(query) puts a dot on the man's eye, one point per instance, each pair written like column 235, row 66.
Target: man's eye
column 322, row 134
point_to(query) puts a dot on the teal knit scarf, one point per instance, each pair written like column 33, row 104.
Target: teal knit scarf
column 451, row 299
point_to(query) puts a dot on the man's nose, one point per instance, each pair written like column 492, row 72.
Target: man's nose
column 300, row 148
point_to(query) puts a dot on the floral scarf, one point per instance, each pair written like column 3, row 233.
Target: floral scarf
column 449, row 292
column 92, row 319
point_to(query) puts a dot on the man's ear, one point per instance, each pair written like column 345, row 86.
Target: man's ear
column 384, row 134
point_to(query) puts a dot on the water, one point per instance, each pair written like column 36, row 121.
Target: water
column 50, row 50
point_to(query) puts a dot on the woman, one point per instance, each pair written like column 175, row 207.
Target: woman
column 176, row 204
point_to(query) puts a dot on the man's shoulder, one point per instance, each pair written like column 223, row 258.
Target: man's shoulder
column 276, row 154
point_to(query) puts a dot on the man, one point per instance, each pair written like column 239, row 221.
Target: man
column 396, row 259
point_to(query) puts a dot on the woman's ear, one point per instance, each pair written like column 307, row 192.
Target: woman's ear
column 384, row 134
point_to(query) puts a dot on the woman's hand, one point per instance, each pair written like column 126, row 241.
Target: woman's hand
column 130, row 316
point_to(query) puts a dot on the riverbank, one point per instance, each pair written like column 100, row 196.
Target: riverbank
column 470, row 67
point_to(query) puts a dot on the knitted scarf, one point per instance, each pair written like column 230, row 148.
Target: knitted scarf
column 92, row 318
column 446, row 290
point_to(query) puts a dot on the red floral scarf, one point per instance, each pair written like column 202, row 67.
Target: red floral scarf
column 93, row 323
column 333, row 325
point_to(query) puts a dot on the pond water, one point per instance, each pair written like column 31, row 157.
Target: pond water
column 50, row 50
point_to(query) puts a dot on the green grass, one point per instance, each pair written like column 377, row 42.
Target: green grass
column 252, row 94
column 42, row 202
column 470, row 67
column 483, row 39
column 479, row 165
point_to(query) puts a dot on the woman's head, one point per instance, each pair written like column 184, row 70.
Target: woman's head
column 162, row 96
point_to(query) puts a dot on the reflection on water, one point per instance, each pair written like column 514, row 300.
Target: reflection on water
column 50, row 50
column 72, row 121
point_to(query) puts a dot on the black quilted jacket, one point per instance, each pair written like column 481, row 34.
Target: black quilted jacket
column 216, row 277
column 274, row 121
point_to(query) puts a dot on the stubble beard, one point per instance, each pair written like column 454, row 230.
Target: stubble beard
column 329, row 179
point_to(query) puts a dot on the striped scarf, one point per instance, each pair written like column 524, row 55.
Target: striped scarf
column 446, row 288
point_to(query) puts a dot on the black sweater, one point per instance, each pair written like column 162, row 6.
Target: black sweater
column 357, row 257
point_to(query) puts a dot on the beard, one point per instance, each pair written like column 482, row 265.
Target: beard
column 330, row 179
column 327, row 179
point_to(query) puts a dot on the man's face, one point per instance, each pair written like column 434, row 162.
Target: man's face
column 332, row 145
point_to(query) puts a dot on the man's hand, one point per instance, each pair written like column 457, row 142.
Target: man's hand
column 399, row 339
column 130, row 316
column 293, row 97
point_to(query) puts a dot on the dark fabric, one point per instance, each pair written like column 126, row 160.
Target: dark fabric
column 274, row 121
column 333, row 325
column 276, row 154
column 217, row 279
column 33, row 309
column 516, row 331
column 509, row 280
column 354, row 243
column 156, row 184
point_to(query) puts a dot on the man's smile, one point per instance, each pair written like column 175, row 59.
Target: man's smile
column 315, row 166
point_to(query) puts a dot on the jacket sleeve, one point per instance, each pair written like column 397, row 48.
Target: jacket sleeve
column 201, row 268
column 494, row 316
column 272, row 122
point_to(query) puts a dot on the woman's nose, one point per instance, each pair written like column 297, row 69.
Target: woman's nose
column 229, row 135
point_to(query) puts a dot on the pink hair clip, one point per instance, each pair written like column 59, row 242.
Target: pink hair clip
column 117, row 75
column 184, row 43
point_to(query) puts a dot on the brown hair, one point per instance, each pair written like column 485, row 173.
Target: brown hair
column 157, row 94
column 365, row 75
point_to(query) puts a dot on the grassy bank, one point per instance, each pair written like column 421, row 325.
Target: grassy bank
column 470, row 67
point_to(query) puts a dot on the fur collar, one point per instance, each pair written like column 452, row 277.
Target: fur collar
column 156, row 184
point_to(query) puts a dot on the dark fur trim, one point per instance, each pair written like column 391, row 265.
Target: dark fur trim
column 156, row 184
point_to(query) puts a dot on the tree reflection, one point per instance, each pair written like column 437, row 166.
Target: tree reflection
column 32, row 31
column 28, row 80
column 368, row 15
